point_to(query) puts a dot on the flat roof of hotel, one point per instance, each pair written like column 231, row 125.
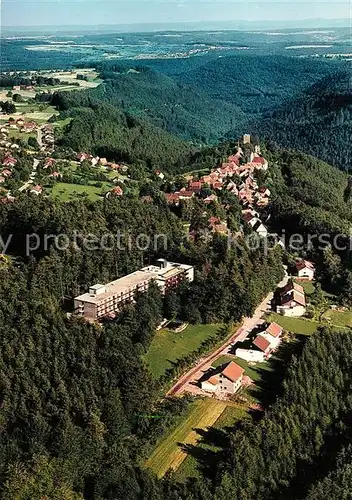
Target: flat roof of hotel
column 118, row 286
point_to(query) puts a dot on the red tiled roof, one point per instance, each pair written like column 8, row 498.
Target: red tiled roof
column 303, row 264
column 291, row 286
column 258, row 159
column 262, row 343
column 274, row 329
column 117, row 190
column 172, row 197
column 214, row 220
column 232, row 371
column 299, row 298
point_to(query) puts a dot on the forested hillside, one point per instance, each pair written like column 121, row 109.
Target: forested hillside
column 319, row 122
column 140, row 114
column 182, row 109
column 76, row 398
column 107, row 131
column 255, row 84
column 312, row 199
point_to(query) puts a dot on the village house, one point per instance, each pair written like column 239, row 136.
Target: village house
column 210, row 199
column 117, row 191
column 55, row 175
column 227, row 379
column 195, row 186
column 305, row 270
column 6, row 173
column 2, row 180
column 260, row 229
column 160, row 174
column 218, row 226
column 264, row 344
column 172, row 199
column 49, row 162
column 29, row 127
column 9, row 161
column 185, row 194
column 292, row 301
column 36, row 190
column 83, row 156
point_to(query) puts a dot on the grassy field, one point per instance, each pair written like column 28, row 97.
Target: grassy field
column 169, row 346
column 67, row 192
column 302, row 326
column 337, row 318
column 169, row 453
column 295, row 325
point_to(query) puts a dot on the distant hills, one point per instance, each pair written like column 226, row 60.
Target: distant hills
column 253, row 83
column 296, row 102
column 318, row 122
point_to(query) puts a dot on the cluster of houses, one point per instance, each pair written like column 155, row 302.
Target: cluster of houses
column 291, row 299
column 22, row 125
column 96, row 161
column 263, row 345
column 47, row 138
column 246, row 189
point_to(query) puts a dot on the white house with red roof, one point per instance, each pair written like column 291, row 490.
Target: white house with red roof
column 227, row 379
column 292, row 300
column 116, row 191
column 263, row 345
column 9, row 161
column 36, row 190
column 305, row 270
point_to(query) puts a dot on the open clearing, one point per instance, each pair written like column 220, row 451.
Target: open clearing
column 339, row 318
column 169, row 453
column 67, row 192
column 167, row 347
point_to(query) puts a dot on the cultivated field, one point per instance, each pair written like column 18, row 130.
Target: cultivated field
column 169, row 453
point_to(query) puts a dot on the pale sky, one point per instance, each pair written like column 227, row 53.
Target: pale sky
column 103, row 12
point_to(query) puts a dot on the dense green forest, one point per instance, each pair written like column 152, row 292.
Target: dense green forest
column 310, row 199
column 319, row 122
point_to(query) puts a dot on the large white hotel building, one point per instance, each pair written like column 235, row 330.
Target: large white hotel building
column 104, row 300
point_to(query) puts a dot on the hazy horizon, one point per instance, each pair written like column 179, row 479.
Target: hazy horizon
column 79, row 13
column 236, row 25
